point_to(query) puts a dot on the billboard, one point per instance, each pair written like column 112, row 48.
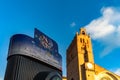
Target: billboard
column 41, row 47
column 43, row 41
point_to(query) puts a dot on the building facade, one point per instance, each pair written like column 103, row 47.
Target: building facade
column 33, row 58
column 80, row 61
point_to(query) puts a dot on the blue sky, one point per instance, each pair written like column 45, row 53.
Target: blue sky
column 61, row 19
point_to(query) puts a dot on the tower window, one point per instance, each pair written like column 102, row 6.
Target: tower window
column 83, row 32
column 81, row 40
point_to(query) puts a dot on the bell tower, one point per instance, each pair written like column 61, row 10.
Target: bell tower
column 80, row 61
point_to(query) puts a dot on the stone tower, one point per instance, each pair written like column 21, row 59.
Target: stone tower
column 80, row 61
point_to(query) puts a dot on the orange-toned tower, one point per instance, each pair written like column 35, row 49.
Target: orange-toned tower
column 80, row 61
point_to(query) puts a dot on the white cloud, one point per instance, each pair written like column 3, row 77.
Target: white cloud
column 106, row 29
column 116, row 71
column 73, row 24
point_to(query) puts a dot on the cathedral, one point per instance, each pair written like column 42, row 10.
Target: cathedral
column 80, row 61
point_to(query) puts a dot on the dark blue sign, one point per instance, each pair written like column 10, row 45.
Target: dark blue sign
column 45, row 42
column 41, row 47
column 49, row 45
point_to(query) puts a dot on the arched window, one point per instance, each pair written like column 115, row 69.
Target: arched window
column 81, row 40
column 83, row 32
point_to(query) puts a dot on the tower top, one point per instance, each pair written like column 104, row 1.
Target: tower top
column 83, row 31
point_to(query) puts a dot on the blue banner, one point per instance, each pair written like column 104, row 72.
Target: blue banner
column 48, row 45
column 40, row 47
column 45, row 42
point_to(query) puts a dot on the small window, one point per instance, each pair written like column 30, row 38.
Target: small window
column 83, row 32
column 81, row 40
